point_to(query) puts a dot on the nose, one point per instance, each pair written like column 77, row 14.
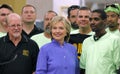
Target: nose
column 109, row 19
column 83, row 18
column 57, row 30
column 16, row 27
column 92, row 21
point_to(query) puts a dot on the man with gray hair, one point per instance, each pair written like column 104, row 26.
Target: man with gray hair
column 18, row 54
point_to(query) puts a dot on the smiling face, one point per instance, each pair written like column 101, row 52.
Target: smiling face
column 14, row 26
column 59, row 31
column 83, row 18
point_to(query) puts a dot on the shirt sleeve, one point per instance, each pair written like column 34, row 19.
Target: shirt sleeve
column 34, row 49
column 116, row 53
column 41, row 67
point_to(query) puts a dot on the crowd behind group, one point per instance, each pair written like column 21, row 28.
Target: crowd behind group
column 86, row 42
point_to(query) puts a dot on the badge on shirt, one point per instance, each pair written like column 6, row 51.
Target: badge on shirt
column 25, row 52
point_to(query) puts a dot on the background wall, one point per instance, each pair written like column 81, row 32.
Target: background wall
column 15, row 4
column 60, row 6
column 42, row 7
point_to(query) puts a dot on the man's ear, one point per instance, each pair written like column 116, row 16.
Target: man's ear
column 68, row 18
column 105, row 22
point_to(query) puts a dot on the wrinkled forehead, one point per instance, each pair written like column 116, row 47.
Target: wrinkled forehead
column 111, row 13
column 13, row 17
column 28, row 8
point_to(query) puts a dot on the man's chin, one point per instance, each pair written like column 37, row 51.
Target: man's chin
column 16, row 35
column 3, row 23
column 94, row 30
column 111, row 26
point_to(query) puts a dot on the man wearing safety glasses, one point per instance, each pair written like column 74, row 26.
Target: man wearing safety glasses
column 113, row 13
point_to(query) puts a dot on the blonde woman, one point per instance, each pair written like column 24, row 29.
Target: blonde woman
column 58, row 56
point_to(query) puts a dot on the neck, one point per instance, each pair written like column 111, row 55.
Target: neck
column 15, row 40
column 28, row 27
column 47, row 35
column 99, row 34
column 2, row 28
column 85, row 30
column 61, row 42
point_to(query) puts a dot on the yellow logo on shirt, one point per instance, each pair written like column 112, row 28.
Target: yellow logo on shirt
column 79, row 48
column 25, row 52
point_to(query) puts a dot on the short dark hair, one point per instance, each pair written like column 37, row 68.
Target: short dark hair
column 28, row 5
column 72, row 8
column 52, row 12
column 84, row 8
column 7, row 7
column 102, row 13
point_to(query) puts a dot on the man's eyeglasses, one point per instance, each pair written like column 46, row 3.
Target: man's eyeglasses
column 112, row 5
column 96, row 19
column 14, row 26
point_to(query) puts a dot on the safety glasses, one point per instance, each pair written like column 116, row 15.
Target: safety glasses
column 112, row 5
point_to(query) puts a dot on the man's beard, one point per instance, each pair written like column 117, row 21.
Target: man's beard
column 47, row 29
column 16, row 35
column 74, row 26
column 111, row 25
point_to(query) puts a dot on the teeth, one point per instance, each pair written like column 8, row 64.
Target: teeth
column 57, row 35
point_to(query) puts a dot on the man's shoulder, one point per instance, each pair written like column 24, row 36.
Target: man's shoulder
column 114, row 36
column 37, row 36
column 88, row 39
column 2, row 34
column 2, row 39
column 28, row 40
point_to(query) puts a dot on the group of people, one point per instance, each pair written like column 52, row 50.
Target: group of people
column 86, row 42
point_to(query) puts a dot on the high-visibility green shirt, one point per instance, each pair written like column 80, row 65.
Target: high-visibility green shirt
column 2, row 34
column 40, row 39
column 116, row 32
column 102, row 56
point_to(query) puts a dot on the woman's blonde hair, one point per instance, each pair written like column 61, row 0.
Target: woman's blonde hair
column 66, row 23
